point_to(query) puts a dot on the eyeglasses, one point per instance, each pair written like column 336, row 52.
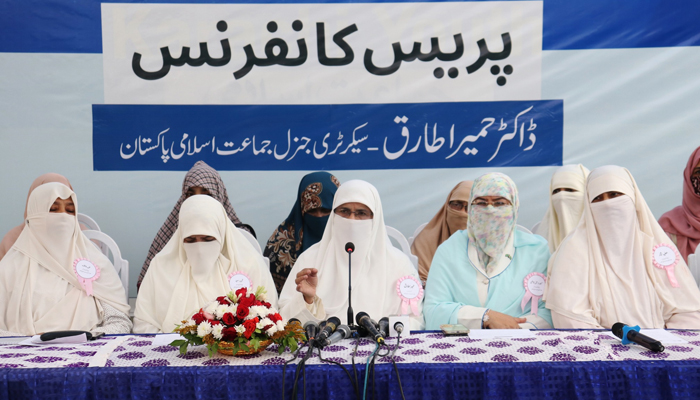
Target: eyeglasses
column 458, row 205
column 497, row 203
column 359, row 214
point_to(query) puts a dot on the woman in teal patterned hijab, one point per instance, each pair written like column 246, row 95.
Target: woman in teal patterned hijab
column 303, row 227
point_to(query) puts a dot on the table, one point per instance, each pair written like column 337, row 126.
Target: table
column 552, row 364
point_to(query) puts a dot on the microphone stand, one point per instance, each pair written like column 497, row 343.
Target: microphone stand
column 351, row 314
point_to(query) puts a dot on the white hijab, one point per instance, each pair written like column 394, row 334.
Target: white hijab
column 41, row 292
column 376, row 263
column 603, row 272
column 565, row 208
column 184, row 277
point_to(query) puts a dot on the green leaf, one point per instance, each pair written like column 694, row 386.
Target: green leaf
column 280, row 349
column 255, row 342
column 244, row 347
column 178, row 343
column 183, row 348
column 293, row 345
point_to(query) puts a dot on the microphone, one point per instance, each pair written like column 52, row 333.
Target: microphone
column 311, row 330
column 329, row 327
column 342, row 332
column 350, row 248
column 636, row 337
column 398, row 327
column 364, row 321
column 384, row 327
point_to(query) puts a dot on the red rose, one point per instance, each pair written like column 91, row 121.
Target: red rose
column 223, row 300
column 199, row 317
column 249, row 327
column 257, row 303
column 214, row 322
column 266, row 304
column 275, row 317
column 246, row 301
column 229, row 334
column 242, row 312
column 229, row 319
column 241, row 292
column 266, row 327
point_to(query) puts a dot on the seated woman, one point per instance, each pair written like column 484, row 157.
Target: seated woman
column 303, row 227
column 319, row 290
column 196, row 267
column 606, row 270
column 14, row 233
column 200, row 179
column 682, row 224
column 451, row 218
column 40, row 286
column 477, row 276
column 565, row 204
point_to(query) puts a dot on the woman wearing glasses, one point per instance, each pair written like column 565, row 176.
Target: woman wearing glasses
column 316, row 288
column 490, row 275
column 451, row 218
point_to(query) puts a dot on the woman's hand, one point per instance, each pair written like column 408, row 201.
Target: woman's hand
column 306, row 281
column 502, row 321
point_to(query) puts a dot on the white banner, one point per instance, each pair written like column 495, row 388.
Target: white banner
column 321, row 53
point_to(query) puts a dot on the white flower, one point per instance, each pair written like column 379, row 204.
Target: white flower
column 264, row 322
column 233, row 308
column 280, row 325
column 221, row 309
column 240, row 328
column 272, row 330
column 204, row 329
column 262, row 296
column 259, row 311
column 191, row 323
column 211, row 307
column 216, row 331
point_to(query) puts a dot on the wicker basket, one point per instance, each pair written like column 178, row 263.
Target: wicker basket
column 227, row 348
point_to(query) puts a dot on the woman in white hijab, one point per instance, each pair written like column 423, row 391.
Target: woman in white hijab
column 320, row 288
column 565, row 204
column 41, row 291
column 195, row 267
column 618, row 265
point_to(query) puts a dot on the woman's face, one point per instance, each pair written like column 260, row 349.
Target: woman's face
column 354, row 211
column 319, row 212
column 63, row 206
column 696, row 171
column 606, row 196
column 199, row 238
column 496, row 201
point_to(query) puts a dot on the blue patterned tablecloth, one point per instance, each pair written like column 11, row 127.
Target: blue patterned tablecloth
column 551, row 364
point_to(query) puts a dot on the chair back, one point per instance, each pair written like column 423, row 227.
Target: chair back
column 393, row 233
column 416, row 232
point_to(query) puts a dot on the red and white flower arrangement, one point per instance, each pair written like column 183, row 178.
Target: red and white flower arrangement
column 240, row 321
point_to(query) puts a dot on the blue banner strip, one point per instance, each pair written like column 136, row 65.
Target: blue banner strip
column 328, row 137
column 60, row 26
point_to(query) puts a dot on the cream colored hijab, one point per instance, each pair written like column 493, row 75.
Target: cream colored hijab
column 565, row 208
column 14, row 233
column 446, row 222
column 603, row 272
column 40, row 290
column 184, row 277
column 376, row 264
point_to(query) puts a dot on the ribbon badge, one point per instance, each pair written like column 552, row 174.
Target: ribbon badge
column 534, row 289
column 239, row 279
column 86, row 271
column 410, row 291
column 666, row 257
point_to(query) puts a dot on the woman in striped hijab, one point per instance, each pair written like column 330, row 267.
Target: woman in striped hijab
column 201, row 179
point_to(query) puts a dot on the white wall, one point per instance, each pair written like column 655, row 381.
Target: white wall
column 633, row 107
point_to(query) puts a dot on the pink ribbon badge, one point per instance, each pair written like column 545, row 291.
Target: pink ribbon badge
column 239, row 279
column 534, row 289
column 666, row 257
column 86, row 271
column 410, row 291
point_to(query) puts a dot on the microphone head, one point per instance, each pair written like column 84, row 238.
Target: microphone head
column 617, row 329
column 360, row 316
column 349, row 247
column 384, row 319
column 311, row 329
column 334, row 320
column 345, row 330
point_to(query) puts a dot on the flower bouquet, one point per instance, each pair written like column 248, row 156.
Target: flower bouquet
column 237, row 324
